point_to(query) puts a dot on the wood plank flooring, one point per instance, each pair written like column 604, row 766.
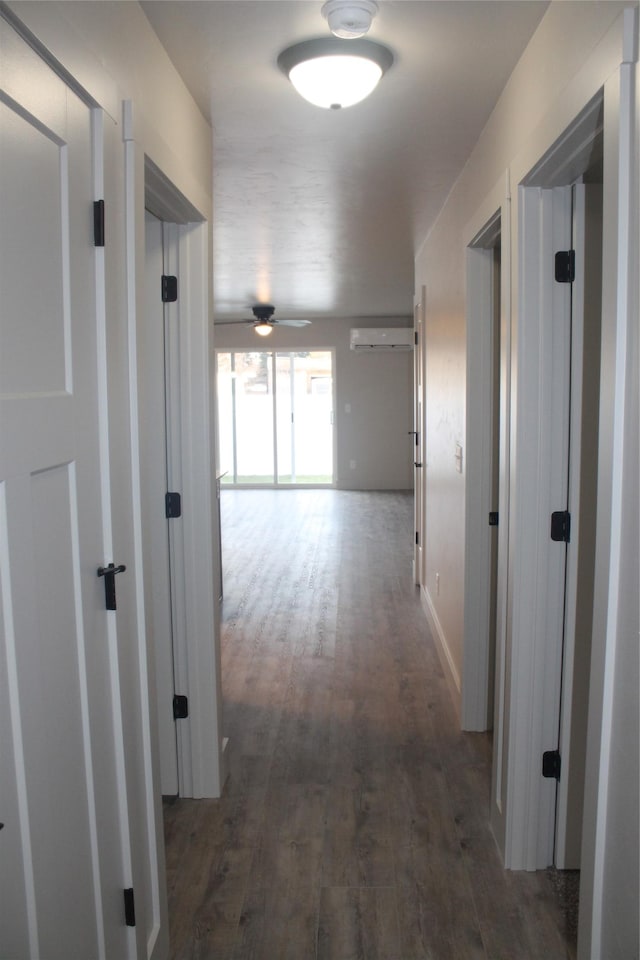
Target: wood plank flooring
column 353, row 825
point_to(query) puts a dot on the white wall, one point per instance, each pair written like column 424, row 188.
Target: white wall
column 576, row 51
column 378, row 390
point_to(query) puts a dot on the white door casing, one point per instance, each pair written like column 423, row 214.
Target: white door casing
column 541, row 485
column 485, row 234
column 65, row 859
column 191, row 445
column 582, row 496
column 534, row 609
column 173, row 317
column 419, row 463
column 156, row 534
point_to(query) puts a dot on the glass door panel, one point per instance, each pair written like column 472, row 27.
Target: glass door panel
column 226, row 414
column 285, row 408
column 275, row 414
column 254, row 446
column 305, row 420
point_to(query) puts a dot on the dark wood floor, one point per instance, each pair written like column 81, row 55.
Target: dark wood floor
column 354, row 821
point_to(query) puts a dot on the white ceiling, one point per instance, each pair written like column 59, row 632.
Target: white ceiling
column 319, row 212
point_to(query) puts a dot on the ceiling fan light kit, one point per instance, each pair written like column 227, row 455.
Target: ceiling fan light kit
column 263, row 328
column 333, row 73
column 349, row 19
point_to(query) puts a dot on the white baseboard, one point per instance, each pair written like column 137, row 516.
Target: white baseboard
column 448, row 664
column 224, row 762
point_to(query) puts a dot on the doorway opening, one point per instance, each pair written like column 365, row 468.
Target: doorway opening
column 486, row 474
column 418, row 433
column 537, row 800
column 275, row 418
column 179, row 522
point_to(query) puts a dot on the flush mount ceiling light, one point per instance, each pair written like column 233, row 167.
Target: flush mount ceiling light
column 332, row 73
column 349, row 19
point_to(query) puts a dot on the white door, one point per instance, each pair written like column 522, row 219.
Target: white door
column 582, row 497
column 418, row 439
column 155, row 484
column 63, row 848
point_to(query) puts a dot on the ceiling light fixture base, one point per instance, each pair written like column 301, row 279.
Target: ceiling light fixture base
column 349, row 19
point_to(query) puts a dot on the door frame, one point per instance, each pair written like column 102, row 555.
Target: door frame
column 524, row 843
column 419, row 395
column 203, row 757
column 523, row 815
column 542, row 438
column 483, row 669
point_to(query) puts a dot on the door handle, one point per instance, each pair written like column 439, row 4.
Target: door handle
column 416, row 464
column 109, row 574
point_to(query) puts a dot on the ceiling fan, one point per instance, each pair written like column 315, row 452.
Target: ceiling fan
column 263, row 322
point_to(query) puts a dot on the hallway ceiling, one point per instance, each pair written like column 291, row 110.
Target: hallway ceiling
column 319, row 212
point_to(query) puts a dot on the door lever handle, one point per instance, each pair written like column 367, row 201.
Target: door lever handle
column 109, row 574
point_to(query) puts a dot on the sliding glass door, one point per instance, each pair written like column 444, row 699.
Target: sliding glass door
column 275, row 417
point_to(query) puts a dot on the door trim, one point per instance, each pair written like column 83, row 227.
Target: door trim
column 540, row 481
column 530, row 808
column 481, row 233
column 203, row 765
column 419, row 420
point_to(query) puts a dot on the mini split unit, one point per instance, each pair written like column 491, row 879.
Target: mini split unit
column 381, row 339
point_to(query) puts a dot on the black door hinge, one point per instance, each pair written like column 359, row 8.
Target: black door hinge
column 417, row 539
column 180, row 707
column 415, row 337
column 493, row 518
column 565, row 266
column 109, row 574
column 169, row 289
column 561, row 526
column 551, row 764
column 172, row 506
column 129, row 907
column 98, row 223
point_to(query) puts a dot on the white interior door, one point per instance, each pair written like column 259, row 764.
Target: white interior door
column 585, row 398
column 63, row 852
column 418, row 439
column 154, row 487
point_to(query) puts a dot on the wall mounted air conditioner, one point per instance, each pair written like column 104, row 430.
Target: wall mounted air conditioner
column 381, row 339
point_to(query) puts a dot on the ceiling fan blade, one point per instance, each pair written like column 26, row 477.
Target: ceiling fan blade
column 293, row 323
column 230, row 323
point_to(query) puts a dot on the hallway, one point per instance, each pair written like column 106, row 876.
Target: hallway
column 354, row 820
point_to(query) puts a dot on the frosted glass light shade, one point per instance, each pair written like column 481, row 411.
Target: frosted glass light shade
column 333, row 73
column 334, row 82
column 263, row 329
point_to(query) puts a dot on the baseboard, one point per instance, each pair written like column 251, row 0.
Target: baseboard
column 224, row 762
column 448, row 664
